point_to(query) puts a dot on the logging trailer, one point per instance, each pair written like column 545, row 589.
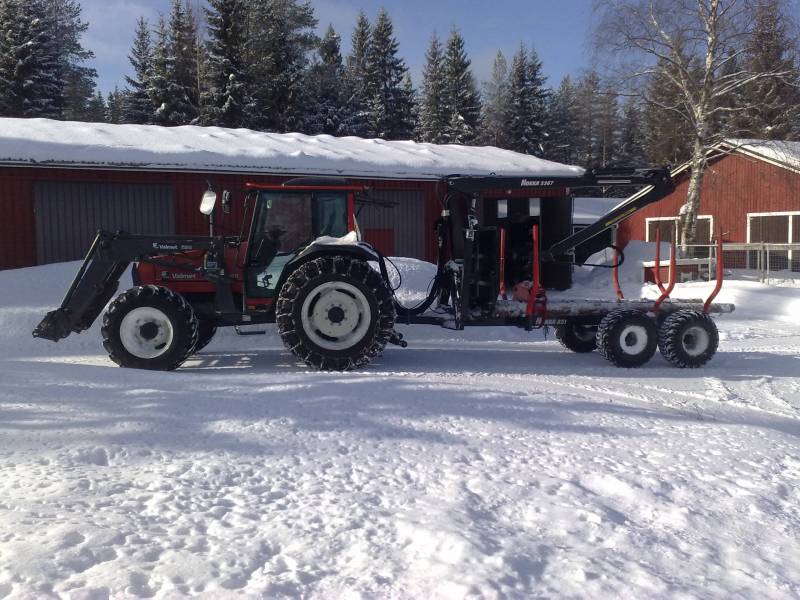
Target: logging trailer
column 298, row 262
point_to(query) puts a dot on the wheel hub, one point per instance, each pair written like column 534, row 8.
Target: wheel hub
column 146, row 332
column 633, row 339
column 695, row 341
column 336, row 315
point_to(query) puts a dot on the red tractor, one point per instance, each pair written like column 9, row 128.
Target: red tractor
column 297, row 262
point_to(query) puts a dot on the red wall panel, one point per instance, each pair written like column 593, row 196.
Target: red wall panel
column 734, row 185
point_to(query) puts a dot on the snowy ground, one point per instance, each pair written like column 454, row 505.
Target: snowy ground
column 489, row 464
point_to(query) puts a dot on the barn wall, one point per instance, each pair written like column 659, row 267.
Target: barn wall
column 734, row 185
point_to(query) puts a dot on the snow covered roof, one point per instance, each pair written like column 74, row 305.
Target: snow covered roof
column 45, row 142
column 785, row 153
column 589, row 210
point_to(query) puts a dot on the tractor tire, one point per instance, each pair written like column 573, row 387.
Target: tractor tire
column 627, row 338
column 149, row 327
column 577, row 337
column 205, row 333
column 688, row 338
column 335, row 313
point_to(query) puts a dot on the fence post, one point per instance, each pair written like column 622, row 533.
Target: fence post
column 768, row 278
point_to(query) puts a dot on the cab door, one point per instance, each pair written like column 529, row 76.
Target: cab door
column 284, row 223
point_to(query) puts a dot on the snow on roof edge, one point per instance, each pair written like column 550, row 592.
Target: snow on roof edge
column 70, row 144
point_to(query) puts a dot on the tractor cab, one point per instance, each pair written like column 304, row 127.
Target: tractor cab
column 284, row 220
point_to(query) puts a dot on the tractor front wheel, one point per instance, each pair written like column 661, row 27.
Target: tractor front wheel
column 335, row 313
column 149, row 327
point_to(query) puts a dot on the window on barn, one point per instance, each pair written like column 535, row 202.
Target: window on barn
column 776, row 228
column 668, row 227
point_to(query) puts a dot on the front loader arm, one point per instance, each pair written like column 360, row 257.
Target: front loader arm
column 97, row 279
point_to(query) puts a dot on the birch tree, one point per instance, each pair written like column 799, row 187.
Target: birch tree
column 690, row 45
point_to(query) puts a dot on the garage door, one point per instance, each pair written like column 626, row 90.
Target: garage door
column 397, row 226
column 69, row 214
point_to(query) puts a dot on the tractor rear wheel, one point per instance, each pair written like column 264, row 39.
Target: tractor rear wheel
column 149, row 327
column 688, row 338
column 627, row 338
column 577, row 336
column 335, row 313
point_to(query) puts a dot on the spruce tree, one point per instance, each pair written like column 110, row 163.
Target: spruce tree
column 182, row 103
column 390, row 101
column 538, row 98
column 115, row 106
column 562, row 125
column 225, row 100
column 7, row 62
column 75, row 80
column 158, row 76
column 607, row 128
column 495, row 108
column 355, row 118
column 324, row 83
column 33, row 87
column 96, row 109
column 138, row 104
column 461, row 95
column 280, row 39
column 434, row 118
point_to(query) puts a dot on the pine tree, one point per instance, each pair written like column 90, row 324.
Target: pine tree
column 773, row 103
column 588, row 114
column 390, row 103
column 434, row 120
column 324, row 83
column 668, row 135
column 355, row 118
column 225, row 99
column 562, row 126
column 138, row 106
column 7, row 18
column 115, row 106
column 495, row 108
column 607, row 128
column 280, row 39
column 461, row 95
column 631, row 135
column 181, row 105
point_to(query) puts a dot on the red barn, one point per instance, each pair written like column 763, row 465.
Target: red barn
column 751, row 190
column 61, row 181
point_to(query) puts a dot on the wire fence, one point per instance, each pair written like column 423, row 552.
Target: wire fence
column 773, row 264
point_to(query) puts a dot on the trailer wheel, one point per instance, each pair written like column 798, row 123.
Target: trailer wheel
column 577, row 336
column 205, row 333
column 335, row 313
column 627, row 338
column 149, row 327
column 688, row 338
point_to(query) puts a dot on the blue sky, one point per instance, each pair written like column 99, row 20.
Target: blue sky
column 558, row 30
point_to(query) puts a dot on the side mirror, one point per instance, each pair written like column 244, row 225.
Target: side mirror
column 226, row 202
column 208, row 202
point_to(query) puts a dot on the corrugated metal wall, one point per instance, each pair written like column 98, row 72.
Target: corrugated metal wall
column 406, row 218
column 69, row 213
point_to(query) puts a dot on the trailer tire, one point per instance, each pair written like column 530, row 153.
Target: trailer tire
column 149, row 327
column 627, row 338
column 206, row 330
column 577, row 337
column 335, row 313
column 688, row 338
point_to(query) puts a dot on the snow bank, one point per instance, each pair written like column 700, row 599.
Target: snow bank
column 47, row 142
